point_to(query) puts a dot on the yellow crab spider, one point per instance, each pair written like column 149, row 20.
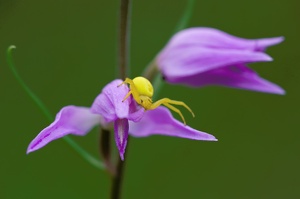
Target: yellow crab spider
column 142, row 91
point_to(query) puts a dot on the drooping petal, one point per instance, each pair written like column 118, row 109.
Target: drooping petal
column 191, row 60
column 121, row 134
column 109, row 102
column 69, row 120
column 161, row 122
column 214, row 38
column 239, row 76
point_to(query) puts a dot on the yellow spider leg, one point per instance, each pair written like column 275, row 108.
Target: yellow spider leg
column 175, row 110
column 167, row 100
column 157, row 104
column 127, row 95
column 132, row 91
column 180, row 103
column 121, row 84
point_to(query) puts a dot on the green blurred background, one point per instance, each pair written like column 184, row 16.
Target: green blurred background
column 66, row 54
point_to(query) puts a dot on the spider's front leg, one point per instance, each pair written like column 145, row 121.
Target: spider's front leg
column 167, row 102
column 132, row 90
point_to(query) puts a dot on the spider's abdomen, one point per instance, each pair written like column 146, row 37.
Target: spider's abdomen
column 143, row 86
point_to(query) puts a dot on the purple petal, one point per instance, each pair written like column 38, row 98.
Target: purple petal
column 214, row 38
column 109, row 102
column 262, row 44
column 161, row 122
column 69, row 120
column 239, row 76
column 121, row 135
column 190, row 60
column 136, row 112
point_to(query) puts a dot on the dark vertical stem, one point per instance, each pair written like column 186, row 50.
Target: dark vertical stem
column 117, row 179
column 105, row 151
column 124, row 37
column 123, row 61
column 105, row 143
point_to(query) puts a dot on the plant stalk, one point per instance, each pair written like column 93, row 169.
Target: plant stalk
column 123, row 61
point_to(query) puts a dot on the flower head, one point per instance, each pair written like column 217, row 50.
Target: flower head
column 206, row 56
column 108, row 110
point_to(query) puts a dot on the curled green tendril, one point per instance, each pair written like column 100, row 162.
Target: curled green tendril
column 83, row 153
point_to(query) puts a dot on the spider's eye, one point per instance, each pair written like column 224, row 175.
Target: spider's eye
column 143, row 86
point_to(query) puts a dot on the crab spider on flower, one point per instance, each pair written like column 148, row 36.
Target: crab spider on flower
column 142, row 91
column 125, row 118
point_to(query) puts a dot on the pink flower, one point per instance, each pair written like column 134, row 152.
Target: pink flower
column 126, row 118
column 206, row 56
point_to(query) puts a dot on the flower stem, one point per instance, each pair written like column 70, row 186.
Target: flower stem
column 32, row 95
column 88, row 157
column 152, row 72
column 105, row 151
column 117, row 179
column 186, row 16
column 124, row 39
column 123, row 61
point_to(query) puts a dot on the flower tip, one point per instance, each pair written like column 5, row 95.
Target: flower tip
column 211, row 138
column 122, row 157
column 262, row 44
column 267, row 58
column 32, row 147
column 29, row 150
column 280, row 39
column 279, row 91
column 274, row 41
column 274, row 89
